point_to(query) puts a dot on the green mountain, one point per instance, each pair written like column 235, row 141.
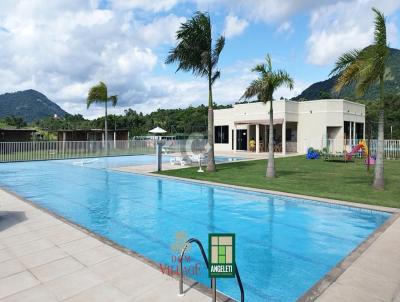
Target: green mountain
column 324, row 89
column 30, row 105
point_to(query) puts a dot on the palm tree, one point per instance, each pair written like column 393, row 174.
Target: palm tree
column 196, row 52
column 366, row 68
column 98, row 94
column 264, row 88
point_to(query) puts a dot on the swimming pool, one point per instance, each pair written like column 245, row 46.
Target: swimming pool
column 283, row 245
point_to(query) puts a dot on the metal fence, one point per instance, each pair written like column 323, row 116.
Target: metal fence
column 45, row 150
column 391, row 147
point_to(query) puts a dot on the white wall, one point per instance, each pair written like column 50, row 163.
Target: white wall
column 312, row 117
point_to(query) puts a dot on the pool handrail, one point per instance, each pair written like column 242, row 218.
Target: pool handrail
column 213, row 280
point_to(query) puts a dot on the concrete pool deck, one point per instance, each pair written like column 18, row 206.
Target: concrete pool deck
column 45, row 259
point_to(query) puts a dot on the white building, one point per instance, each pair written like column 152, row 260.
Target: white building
column 297, row 125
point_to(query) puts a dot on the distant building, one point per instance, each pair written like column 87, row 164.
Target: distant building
column 17, row 135
column 92, row 135
column 297, row 125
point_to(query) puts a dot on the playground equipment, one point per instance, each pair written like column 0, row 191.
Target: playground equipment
column 361, row 146
column 312, row 154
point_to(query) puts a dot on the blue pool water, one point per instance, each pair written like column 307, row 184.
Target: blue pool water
column 283, row 245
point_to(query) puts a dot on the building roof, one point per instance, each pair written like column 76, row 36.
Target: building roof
column 90, row 130
column 19, row 130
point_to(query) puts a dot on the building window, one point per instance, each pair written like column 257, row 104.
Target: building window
column 221, row 134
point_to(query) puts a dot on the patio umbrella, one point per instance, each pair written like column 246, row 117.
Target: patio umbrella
column 157, row 130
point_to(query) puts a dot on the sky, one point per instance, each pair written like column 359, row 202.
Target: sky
column 63, row 47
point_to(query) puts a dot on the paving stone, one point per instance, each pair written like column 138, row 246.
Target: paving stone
column 95, row 255
column 72, row 284
column 56, row 269
column 80, row 245
column 10, row 267
column 35, row 294
column 101, row 293
column 42, row 257
column 16, row 283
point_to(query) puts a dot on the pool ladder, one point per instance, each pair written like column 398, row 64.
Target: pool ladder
column 213, row 280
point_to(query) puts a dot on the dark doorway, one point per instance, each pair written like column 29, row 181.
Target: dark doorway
column 241, row 140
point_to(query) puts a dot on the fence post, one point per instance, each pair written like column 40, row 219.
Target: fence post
column 159, row 155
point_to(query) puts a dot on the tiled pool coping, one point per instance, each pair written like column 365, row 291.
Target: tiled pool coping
column 190, row 283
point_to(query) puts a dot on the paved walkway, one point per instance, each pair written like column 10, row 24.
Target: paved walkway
column 44, row 259
column 374, row 276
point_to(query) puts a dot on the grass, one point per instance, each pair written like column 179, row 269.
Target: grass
column 343, row 181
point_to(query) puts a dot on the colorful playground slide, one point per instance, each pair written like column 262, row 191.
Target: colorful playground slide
column 361, row 146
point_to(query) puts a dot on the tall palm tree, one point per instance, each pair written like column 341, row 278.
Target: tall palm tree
column 264, row 88
column 366, row 68
column 196, row 52
column 98, row 94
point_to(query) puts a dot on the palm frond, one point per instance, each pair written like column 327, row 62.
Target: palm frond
column 113, row 99
column 254, row 89
column 268, row 81
column 97, row 94
column 260, row 68
column 219, row 46
column 345, row 61
column 380, row 28
column 215, row 76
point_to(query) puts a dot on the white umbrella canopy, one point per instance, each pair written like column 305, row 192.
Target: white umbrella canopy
column 157, row 130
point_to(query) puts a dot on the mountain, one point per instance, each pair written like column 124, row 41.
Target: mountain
column 30, row 104
column 324, row 89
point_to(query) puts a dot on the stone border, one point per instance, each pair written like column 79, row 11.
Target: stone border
column 323, row 284
column 188, row 281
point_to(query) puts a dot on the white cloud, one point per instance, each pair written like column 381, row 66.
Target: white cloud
column 285, row 28
column 344, row 26
column 234, row 26
column 61, row 48
column 262, row 10
column 147, row 5
column 161, row 30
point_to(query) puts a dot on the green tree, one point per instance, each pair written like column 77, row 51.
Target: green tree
column 98, row 94
column 196, row 52
column 263, row 88
column 365, row 68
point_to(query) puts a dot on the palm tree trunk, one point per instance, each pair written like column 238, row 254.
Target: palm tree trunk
column 379, row 181
column 211, row 159
column 105, row 129
column 271, row 162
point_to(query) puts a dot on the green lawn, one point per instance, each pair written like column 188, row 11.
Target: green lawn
column 343, row 181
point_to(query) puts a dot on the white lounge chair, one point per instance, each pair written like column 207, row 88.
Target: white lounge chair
column 180, row 160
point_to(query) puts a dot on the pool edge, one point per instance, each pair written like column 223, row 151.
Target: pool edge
column 188, row 281
column 329, row 278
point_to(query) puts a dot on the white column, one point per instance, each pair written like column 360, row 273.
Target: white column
column 350, row 139
column 234, row 137
column 258, row 138
column 363, row 130
column 248, row 137
column 354, row 133
column 284, row 137
column 115, row 139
